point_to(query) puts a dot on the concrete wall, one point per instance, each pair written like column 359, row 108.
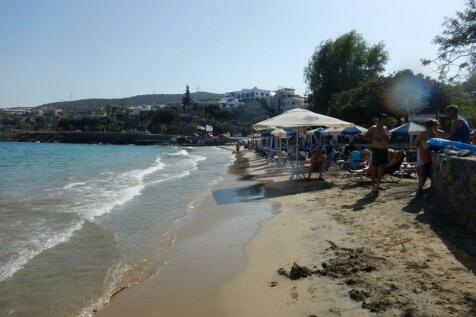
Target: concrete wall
column 454, row 180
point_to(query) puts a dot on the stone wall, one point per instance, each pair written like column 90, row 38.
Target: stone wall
column 454, row 180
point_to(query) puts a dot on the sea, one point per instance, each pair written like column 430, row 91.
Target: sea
column 79, row 222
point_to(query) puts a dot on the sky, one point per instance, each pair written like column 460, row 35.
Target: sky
column 54, row 50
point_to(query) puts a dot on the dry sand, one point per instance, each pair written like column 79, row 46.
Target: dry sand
column 364, row 256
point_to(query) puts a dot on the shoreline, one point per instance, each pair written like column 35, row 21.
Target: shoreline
column 208, row 251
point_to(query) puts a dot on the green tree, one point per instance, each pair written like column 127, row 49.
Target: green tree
column 187, row 98
column 340, row 65
column 456, row 44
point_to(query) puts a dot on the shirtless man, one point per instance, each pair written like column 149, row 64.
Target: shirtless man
column 318, row 159
column 379, row 137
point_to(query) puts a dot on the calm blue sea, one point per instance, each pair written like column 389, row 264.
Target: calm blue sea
column 77, row 222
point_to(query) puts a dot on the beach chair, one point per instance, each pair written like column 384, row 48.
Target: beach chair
column 391, row 171
column 394, row 169
column 297, row 169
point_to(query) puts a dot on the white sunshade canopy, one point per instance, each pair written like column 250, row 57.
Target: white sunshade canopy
column 410, row 128
column 301, row 118
column 280, row 133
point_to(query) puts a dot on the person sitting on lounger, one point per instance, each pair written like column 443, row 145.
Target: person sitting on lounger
column 355, row 160
column 395, row 158
column 366, row 156
column 318, row 163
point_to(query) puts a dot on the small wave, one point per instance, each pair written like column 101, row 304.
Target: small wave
column 95, row 198
column 71, row 185
column 193, row 162
column 113, row 283
column 114, row 191
column 179, row 153
column 40, row 243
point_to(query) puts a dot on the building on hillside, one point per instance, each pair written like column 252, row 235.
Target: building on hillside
column 136, row 110
column 285, row 99
column 230, row 103
column 233, row 98
column 18, row 110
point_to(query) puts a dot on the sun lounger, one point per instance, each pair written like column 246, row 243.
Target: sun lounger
column 297, row 169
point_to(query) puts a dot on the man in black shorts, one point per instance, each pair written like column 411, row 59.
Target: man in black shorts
column 379, row 137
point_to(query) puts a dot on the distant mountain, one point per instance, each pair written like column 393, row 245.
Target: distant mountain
column 86, row 105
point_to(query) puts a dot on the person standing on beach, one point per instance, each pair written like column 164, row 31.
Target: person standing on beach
column 379, row 137
column 423, row 154
column 460, row 129
column 237, row 147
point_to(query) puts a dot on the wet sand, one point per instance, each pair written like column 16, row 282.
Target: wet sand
column 356, row 254
column 208, row 251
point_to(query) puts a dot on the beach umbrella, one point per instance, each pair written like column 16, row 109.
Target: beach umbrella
column 283, row 133
column 301, row 118
column 314, row 134
column 411, row 129
column 298, row 119
column 315, row 131
column 333, row 131
column 354, row 131
column 265, row 134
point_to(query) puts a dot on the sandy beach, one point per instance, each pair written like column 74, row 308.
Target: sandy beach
column 355, row 255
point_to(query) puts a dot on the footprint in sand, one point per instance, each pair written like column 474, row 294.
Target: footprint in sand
column 294, row 295
column 272, row 283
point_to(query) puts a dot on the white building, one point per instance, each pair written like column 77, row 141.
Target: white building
column 285, row 99
column 231, row 98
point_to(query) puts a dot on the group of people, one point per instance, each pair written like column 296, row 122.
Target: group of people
column 380, row 158
column 379, row 136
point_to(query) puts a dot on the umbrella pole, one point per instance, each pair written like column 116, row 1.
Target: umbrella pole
column 297, row 146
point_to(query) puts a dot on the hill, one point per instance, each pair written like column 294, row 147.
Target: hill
column 87, row 105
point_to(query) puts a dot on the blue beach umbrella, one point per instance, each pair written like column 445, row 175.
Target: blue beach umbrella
column 354, row 131
column 411, row 129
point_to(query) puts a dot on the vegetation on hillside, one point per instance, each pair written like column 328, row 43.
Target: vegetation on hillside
column 170, row 120
column 93, row 105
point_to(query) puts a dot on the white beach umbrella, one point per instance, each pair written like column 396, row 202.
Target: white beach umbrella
column 333, row 131
column 301, row 118
column 282, row 134
column 410, row 128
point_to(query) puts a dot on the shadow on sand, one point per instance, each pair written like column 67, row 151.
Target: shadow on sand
column 267, row 190
column 362, row 202
column 292, row 187
column 459, row 240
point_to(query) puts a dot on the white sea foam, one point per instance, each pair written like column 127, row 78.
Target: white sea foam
column 94, row 198
column 179, row 153
column 40, row 242
column 74, row 184
column 101, row 196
